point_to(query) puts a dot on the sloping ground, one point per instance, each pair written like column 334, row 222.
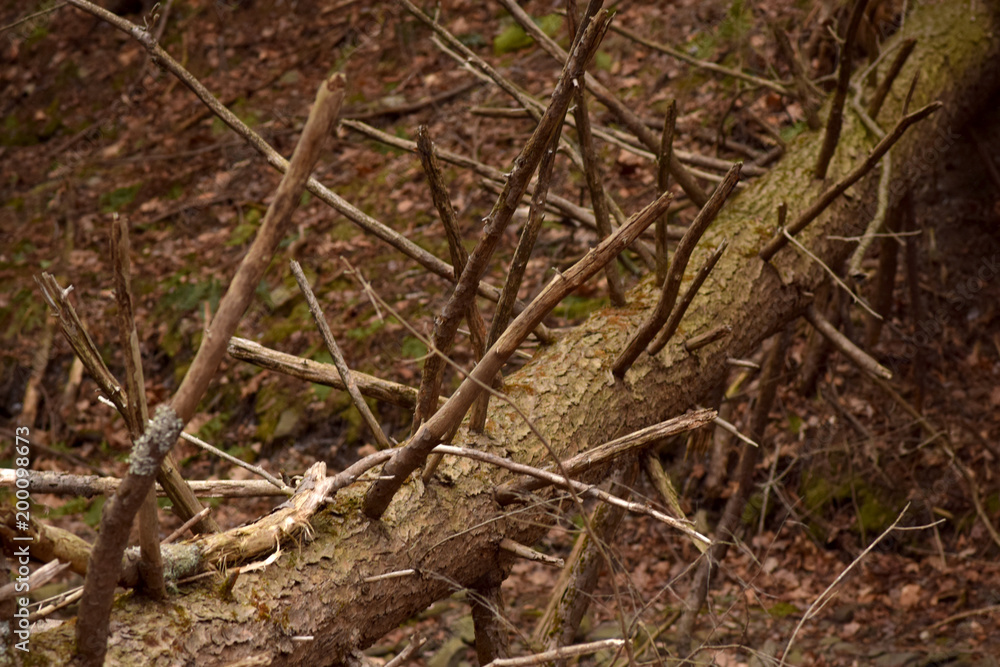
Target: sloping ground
column 87, row 133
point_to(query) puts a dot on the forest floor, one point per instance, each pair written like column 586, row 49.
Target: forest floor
column 93, row 128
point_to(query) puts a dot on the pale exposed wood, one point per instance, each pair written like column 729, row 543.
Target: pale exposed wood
column 320, row 373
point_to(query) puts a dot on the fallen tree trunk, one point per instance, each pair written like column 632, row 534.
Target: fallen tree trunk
column 314, row 606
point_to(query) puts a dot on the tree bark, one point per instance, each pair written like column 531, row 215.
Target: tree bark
column 449, row 530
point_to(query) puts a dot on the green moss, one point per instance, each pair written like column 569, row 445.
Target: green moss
column 751, row 511
column 792, row 131
column 92, row 517
column 17, row 133
column 817, row 492
column 115, row 200
column 576, row 307
column 367, row 330
column 514, row 38
column 279, row 409
column 413, row 348
column 737, row 22
column 781, row 610
column 603, row 61
column 211, row 429
column 298, row 319
column 874, row 516
column 794, row 423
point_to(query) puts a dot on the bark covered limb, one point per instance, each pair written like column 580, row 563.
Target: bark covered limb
column 450, row 533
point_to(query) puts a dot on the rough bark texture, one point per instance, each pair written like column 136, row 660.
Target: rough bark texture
column 450, row 530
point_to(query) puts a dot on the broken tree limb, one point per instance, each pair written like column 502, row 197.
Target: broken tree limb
column 319, row 372
column 601, row 455
column 861, row 359
column 88, row 486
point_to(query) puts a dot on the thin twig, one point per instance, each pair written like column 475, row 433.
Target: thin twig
column 777, row 87
column 187, row 524
column 862, row 359
column 677, row 314
column 837, row 189
column 404, row 657
column 854, row 297
column 560, row 653
column 137, row 414
column 515, row 275
column 875, row 224
column 499, row 218
column 820, row 601
column 701, row 340
column 728, row 426
column 671, row 286
column 528, row 553
column 878, row 97
column 381, row 440
column 87, row 486
column 836, row 118
column 595, row 185
column 31, row 17
column 601, row 455
column 320, row 373
column 631, row 120
column 663, row 183
column 563, row 482
column 198, row 442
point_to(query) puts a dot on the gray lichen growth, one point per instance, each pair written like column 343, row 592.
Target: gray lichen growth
column 154, row 444
column 179, row 560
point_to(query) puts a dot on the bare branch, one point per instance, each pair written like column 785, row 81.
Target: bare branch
column 87, row 486
column 608, row 99
column 663, row 182
column 677, row 314
column 496, row 222
column 320, row 373
column 381, row 441
column 559, row 653
column 515, row 272
column 595, row 184
column 602, row 455
column 441, row 340
column 875, row 104
column 136, row 414
column 837, row 189
column 672, row 284
column 777, row 87
column 836, row 118
column 861, row 358
column 409, row 457
column 563, row 482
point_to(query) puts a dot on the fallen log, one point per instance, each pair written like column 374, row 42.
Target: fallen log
column 323, row 600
